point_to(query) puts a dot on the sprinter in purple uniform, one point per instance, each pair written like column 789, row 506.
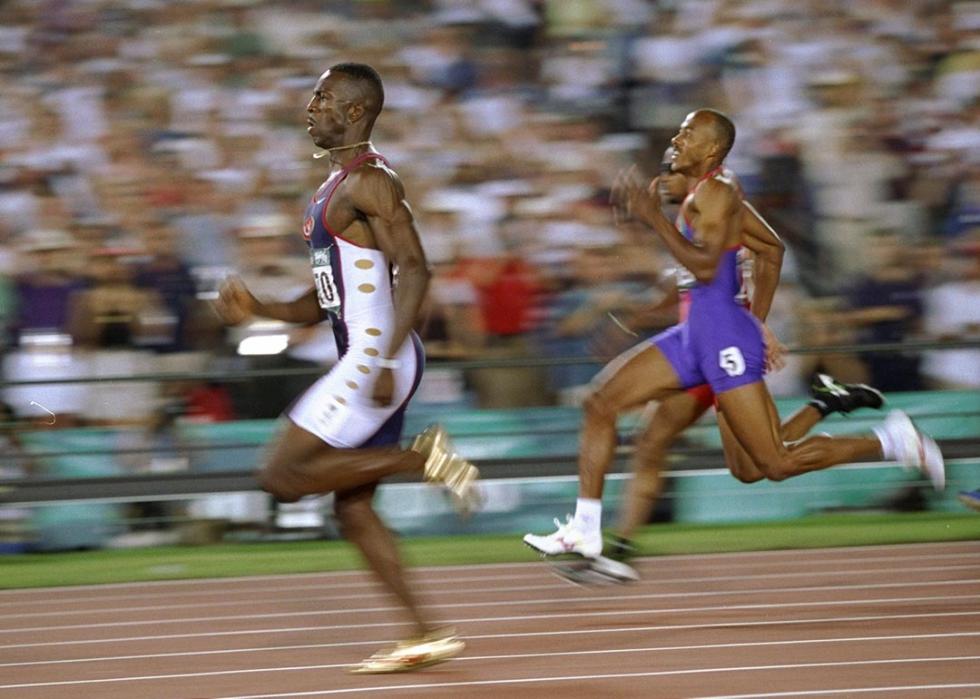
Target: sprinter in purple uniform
column 720, row 344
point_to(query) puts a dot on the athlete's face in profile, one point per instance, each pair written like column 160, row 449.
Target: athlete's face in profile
column 693, row 143
column 327, row 110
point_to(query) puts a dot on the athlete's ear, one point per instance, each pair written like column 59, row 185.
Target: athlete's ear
column 716, row 153
column 354, row 112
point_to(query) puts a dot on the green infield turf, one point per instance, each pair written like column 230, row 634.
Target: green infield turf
column 242, row 559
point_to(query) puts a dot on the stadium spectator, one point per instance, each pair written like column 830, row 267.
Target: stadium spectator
column 886, row 306
column 48, row 282
column 952, row 313
column 862, row 117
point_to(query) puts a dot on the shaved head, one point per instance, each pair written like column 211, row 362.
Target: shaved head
column 704, row 139
column 346, row 100
column 365, row 85
column 723, row 127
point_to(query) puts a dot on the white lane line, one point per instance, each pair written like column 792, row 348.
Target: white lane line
column 700, row 646
column 522, row 588
column 328, row 666
column 177, row 676
column 610, row 676
column 535, row 602
column 849, row 690
column 794, row 558
column 55, row 596
column 527, row 634
column 532, row 571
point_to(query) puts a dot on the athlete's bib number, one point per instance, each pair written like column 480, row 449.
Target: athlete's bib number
column 326, row 289
column 730, row 359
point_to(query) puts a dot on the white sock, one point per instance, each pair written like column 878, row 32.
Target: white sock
column 588, row 514
column 887, row 444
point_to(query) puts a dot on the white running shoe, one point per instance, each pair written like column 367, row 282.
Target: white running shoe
column 914, row 448
column 413, row 654
column 569, row 539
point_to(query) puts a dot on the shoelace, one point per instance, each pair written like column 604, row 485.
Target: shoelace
column 563, row 528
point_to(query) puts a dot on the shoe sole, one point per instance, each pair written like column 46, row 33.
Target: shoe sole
column 881, row 396
column 597, row 572
column 396, row 668
column 616, row 570
column 380, row 668
column 567, row 555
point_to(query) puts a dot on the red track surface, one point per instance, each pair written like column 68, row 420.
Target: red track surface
column 896, row 621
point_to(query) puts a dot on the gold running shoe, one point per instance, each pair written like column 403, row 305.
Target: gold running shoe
column 443, row 465
column 461, row 480
column 413, row 654
column 432, row 443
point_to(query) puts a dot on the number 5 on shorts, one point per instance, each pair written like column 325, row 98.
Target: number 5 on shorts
column 730, row 359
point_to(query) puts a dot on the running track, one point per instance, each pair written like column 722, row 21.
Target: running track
column 890, row 621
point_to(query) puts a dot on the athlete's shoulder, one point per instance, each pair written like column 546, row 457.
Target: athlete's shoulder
column 374, row 172
column 718, row 186
column 376, row 177
column 728, row 175
column 375, row 187
column 373, row 162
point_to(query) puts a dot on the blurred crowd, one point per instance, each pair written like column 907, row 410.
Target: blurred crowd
column 148, row 148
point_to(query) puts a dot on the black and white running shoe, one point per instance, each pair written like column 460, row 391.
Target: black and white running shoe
column 831, row 396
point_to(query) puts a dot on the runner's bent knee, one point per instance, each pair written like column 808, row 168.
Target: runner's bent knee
column 599, row 405
column 747, row 475
column 777, row 469
column 279, row 485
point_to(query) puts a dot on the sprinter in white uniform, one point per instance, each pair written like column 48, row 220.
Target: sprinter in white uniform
column 342, row 434
column 353, row 284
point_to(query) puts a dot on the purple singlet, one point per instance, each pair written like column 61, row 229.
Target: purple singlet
column 719, row 343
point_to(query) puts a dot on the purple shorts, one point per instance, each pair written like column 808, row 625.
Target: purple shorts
column 719, row 346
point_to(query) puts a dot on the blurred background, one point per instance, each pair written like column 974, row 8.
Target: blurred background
column 149, row 148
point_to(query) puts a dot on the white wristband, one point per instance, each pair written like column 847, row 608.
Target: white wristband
column 383, row 363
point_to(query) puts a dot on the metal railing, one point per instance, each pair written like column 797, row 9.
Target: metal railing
column 151, row 486
column 187, row 484
column 475, row 364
